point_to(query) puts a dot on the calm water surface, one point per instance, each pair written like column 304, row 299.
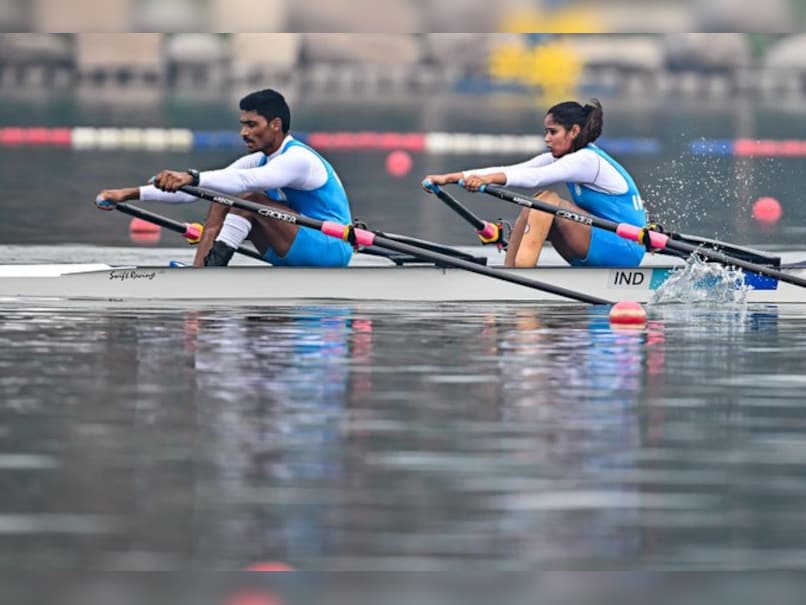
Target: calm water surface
column 401, row 438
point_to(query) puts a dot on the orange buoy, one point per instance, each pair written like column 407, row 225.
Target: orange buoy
column 138, row 225
column 627, row 313
column 399, row 163
column 253, row 595
column 270, row 566
column 143, row 232
column 767, row 210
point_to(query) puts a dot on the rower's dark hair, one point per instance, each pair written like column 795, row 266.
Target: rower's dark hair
column 589, row 118
column 270, row 104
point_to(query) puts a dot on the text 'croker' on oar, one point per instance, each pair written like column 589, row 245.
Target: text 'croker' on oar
column 654, row 240
column 489, row 233
column 363, row 237
column 190, row 231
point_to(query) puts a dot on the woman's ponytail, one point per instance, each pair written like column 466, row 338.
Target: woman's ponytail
column 592, row 128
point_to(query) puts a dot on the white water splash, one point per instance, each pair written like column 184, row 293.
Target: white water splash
column 681, row 191
column 696, row 192
column 700, row 282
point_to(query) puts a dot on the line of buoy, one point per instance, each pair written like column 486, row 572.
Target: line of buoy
column 181, row 139
column 794, row 148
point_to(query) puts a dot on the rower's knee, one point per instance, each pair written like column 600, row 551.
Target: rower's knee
column 549, row 197
column 250, row 196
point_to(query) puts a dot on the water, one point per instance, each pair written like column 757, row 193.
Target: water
column 700, row 282
column 360, row 437
column 345, row 437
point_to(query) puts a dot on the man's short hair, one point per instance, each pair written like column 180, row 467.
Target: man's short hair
column 270, row 104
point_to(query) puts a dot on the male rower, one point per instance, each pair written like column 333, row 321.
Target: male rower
column 279, row 171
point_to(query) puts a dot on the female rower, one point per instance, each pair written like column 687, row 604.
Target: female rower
column 599, row 186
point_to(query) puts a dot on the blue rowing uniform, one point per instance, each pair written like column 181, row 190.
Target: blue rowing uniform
column 607, row 249
column 326, row 203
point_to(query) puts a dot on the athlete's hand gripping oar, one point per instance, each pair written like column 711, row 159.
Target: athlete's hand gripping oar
column 653, row 240
column 489, row 233
column 363, row 237
column 190, row 231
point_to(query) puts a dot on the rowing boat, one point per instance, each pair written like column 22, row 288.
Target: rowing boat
column 364, row 280
column 441, row 274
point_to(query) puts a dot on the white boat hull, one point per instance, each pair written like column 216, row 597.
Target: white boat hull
column 252, row 285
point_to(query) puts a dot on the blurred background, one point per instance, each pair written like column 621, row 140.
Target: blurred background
column 402, row 16
column 711, row 125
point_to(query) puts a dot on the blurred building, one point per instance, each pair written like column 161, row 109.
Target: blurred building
column 401, row 16
column 615, row 65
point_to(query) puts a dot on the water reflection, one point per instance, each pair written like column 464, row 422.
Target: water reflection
column 142, row 407
column 571, row 389
column 276, row 390
column 399, row 438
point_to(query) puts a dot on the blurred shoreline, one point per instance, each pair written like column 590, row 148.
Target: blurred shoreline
column 698, row 67
column 402, row 16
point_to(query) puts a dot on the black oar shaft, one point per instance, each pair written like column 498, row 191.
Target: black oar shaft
column 459, row 208
column 369, row 238
column 488, row 232
column 632, row 232
column 172, row 225
column 162, row 221
column 732, row 261
column 537, row 204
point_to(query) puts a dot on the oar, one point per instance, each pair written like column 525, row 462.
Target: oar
column 489, row 233
column 364, row 237
column 190, row 231
column 734, row 250
column 656, row 240
column 432, row 246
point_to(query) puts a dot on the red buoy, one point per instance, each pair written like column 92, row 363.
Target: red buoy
column 398, row 163
column 767, row 210
column 627, row 313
